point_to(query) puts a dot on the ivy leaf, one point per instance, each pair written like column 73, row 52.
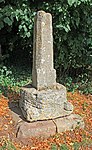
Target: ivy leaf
column 30, row 26
column 20, row 27
column 8, row 21
column 25, row 28
column 28, row 34
column 71, row 2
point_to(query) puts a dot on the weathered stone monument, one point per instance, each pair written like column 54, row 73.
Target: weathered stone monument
column 44, row 103
column 43, row 75
column 45, row 99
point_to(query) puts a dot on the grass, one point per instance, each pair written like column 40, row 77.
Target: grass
column 61, row 147
column 8, row 146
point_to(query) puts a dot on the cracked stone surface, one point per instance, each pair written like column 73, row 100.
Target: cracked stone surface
column 42, row 129
column 44, row 104
column 69, row 123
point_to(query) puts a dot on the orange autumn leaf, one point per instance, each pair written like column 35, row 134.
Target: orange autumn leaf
column 82, row 106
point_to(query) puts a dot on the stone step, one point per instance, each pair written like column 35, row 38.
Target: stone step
column 42, row 129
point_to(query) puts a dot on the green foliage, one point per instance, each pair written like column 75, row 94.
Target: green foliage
column 8, row 145
column 73, row 50
column 64, row 147
column 54, row 147
column 76, row 146
column 82, row 83
column 85, row 87
column 6, row 16
column 5, row 79
column 16, row 23
column 21, row 12
column 77, row 2
column 72, row 25
column 13, row 79
column 25, row 16
column 85, row 143
column 70, row 84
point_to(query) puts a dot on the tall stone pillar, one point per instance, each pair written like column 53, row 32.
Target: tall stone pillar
column 43, row 73
column 45, row 99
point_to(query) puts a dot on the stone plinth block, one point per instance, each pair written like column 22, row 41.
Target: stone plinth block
column 69, row 123
column 36, row 129
column 45, row 104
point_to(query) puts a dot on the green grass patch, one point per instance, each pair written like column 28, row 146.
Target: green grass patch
column 8, row 146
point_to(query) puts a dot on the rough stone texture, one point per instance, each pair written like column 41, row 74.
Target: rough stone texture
column 36, row 129
column 45, row 129
column 69, row 123
column 41, row 129
column 44, row 104
column 43, row 73
column 45, row 99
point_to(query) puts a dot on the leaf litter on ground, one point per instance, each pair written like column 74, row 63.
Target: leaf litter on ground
column 78, row 139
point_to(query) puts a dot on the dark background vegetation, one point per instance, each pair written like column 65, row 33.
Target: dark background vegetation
column 72, row 31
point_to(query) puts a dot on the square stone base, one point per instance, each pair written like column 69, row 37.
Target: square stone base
column 45, row 104
column 47, row 128
column 25, row 131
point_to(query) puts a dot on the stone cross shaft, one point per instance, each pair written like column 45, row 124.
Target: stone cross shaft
column 43, row 73
column 45, row 99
